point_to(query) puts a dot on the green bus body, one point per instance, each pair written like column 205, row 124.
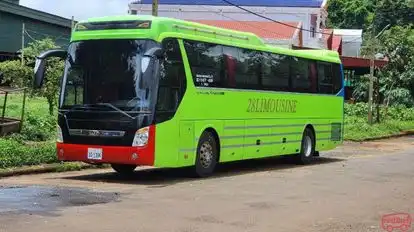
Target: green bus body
column 247, row 123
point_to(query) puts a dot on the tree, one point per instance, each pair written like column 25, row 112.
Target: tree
column 14, row 73
column 22, row 75
column 394, row 12
column 350, row 14
column 397, row 79
column 54, row 70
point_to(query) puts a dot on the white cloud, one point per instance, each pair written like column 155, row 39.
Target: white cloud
column 80, row 9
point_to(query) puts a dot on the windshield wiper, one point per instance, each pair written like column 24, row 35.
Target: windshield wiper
column 108, row 105
column 115, row 108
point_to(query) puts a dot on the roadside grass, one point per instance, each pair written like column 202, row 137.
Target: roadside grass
column 35, row 145
column 357, row 129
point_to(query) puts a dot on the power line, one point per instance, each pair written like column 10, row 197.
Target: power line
column 241, row 22
column 262, row 16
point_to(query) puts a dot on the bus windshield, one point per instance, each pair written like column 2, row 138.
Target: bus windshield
column 111, row 72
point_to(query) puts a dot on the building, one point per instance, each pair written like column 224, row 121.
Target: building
column 308, row 15
column 37, row 25
column 351, row 41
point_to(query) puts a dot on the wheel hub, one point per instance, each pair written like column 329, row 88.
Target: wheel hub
column 308, row 146
column 206, row 154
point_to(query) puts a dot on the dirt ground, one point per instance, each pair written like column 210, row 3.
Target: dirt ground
column 348, row 189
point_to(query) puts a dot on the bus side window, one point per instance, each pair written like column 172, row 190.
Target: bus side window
column 275, row 72
column 230, row 71
column 336, row 78
column 172, row 82
column 300, row 75
column 325, row 78
column 313, row 76
column 205, row 62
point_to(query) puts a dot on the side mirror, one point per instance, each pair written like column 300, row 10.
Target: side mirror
column 155, row 52
column 40, row 66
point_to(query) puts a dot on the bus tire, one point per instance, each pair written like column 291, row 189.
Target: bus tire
column 124, row 169
column 307, row 148
column 207, row 155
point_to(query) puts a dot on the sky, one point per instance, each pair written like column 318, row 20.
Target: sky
column 80, row 9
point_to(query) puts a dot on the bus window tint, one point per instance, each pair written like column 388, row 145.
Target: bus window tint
column 300, row 76
column 205, row 62
column 275, row 72
column 248, row 71
column 337, row 78
column 313, row 76
column 325, row 78
column 172, row 82
column 231, row 68
column 222, row 66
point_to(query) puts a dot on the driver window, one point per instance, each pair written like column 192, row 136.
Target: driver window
column 172, row 81
column 74, row 87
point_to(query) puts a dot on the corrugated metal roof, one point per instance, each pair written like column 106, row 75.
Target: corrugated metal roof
column 263, row 29
column 15, row 9
column 268, row 3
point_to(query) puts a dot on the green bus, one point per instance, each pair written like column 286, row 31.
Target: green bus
column 162, row 92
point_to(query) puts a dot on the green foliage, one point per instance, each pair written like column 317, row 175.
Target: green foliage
column 39, row 128
column 67, row 167
column 14, row 153
column 393, row 12
column 357, row 129
column 350, row 14
column 38, row 125
column 54, row 70
column 395, row 120
column 14, row 73
column 395, row 113
column 396, row 81
column 22, row 75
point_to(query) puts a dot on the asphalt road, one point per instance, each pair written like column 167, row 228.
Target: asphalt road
column 349, row 189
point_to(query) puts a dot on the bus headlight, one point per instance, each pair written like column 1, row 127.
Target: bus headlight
column 141, row 137
column 59, row 138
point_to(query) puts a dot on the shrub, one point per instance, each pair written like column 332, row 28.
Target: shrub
column 14, row 153
column 394, row 113
column 37, row 128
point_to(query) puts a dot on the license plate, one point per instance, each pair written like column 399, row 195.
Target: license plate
column 95, row 153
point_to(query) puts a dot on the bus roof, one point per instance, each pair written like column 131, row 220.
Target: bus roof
column 133, row 26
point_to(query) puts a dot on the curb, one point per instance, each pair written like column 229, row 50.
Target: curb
column 401, row 134
column 46, row 168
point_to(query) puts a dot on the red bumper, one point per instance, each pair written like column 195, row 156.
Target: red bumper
column 109, row 154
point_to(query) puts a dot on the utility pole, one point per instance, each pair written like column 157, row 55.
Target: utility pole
column 22, row 53
column 155, row 7
column 371, row 80
column 372, row 69
column 72, row 23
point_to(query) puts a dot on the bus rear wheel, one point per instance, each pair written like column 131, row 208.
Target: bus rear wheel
column 307, row 149
column 207, row 155
column 124, row 169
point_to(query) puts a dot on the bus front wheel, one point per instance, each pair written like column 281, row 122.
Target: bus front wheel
column 307, row 149
column 207, row 155
column 124, row 169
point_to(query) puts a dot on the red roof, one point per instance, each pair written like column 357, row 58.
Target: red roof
column 359, row 62
column 264, row 29
column 336, row 43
